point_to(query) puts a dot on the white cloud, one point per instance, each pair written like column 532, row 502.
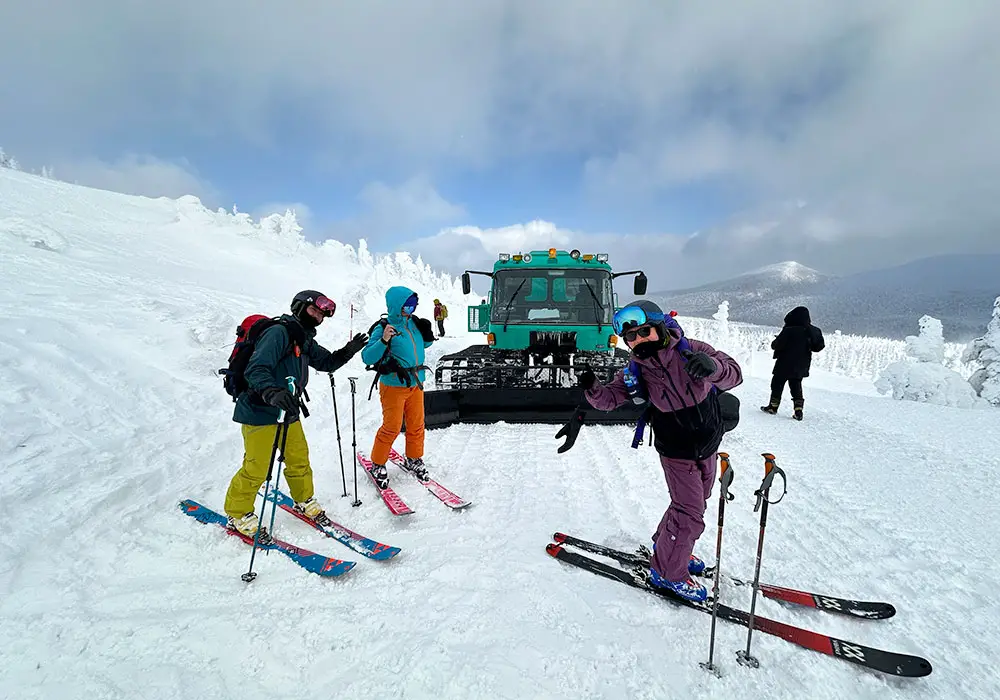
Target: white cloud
column 408, row 209
column 468, row 247
column 881, row 115
column 139, row 174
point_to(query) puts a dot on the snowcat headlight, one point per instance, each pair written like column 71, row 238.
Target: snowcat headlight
column 504, row 257
column 575, row 254
column 613, row 341
column 552, row 253
column 491, row 339
column 517, row 258
column 602, row 257
column 527, row 257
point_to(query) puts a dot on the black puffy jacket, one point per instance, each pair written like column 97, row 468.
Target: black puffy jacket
column 794, row 346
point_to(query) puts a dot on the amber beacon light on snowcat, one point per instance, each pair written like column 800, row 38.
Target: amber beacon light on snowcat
column 547, row 316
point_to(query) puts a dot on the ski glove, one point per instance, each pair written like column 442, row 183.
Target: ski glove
column 571, row 430
column 356, row 344
column 699, row 365
column 586, row 379
column 280, row 397
column 424, row 326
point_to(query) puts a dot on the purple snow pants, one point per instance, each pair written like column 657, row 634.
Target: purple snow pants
column 690, row 485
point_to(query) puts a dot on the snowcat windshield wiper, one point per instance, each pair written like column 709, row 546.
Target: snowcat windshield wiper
column 512, row 298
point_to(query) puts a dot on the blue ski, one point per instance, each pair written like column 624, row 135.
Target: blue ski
column 359, row 543
column 310, row 561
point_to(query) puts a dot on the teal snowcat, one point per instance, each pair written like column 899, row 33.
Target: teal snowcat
column 547, row 316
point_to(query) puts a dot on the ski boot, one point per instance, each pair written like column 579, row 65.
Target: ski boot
column 686, row 588
column 380, row 475
column 797, row 409
column 312, row 510
column 772, row 407
column 696, row 566
column 248, row 526
column 415, row 467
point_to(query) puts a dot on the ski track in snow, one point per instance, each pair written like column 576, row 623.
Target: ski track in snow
column 112, row 413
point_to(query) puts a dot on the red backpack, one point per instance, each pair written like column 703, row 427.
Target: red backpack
column 247, row 335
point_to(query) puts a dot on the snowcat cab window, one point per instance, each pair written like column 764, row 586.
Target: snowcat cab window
column 571, row 297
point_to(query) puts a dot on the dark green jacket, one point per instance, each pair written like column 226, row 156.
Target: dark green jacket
column 273, row 359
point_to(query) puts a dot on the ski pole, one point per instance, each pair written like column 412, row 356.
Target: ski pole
column 281, row 460
column 725, row 479
column 770, row 469
column 280, row 433
column 354, row 439
column 336, row 418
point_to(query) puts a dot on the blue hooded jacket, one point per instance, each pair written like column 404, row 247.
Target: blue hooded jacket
column 407, row 347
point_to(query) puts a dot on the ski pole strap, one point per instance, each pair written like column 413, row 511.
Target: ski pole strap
column 640, row 429
column 725, row 475
column 770, row 469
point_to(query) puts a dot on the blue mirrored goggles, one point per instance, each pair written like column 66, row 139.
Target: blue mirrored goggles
column 633, row 316
column 411, row 304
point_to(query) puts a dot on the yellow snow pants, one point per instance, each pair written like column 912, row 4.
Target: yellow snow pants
column 258, row 440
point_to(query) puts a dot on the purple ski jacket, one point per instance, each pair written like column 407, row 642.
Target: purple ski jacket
column 685, row 415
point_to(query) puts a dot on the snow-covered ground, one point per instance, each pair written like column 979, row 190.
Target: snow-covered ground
column 115, row 313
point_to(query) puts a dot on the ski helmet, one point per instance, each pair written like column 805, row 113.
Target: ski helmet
column 302, row 300
column 640, row 313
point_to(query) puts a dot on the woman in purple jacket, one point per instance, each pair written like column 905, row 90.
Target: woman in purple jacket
column 681, row 380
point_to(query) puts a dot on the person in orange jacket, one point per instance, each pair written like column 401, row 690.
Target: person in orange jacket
column 400, row 346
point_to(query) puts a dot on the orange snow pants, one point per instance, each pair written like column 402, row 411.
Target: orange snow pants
column 400, row 403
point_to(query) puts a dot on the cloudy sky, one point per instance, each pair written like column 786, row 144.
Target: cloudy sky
column 695, row 141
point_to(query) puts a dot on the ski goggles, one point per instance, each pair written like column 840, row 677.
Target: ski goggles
column 326, row 305
column 633, row 317
column 411, row 304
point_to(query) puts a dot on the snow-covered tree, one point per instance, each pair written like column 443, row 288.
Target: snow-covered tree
column 922, row 377
column 722, row 316
column 7, row 161
column 985, row 351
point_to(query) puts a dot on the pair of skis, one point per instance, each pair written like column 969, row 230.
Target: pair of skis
column 326, row 567
column 392, row 500
column 885, row 661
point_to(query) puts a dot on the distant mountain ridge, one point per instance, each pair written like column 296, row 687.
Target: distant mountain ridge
column 958, row 289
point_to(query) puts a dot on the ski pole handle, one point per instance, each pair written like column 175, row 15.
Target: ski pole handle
column 291, row 388
column 725, row 475
column 354, row 386
column 771, row 469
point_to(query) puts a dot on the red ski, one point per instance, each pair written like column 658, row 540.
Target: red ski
column 392, row 501
column 889, row 662
column 450, row 499
column 869, row 610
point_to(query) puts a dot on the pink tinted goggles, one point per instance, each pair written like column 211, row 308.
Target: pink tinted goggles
column 326, row 305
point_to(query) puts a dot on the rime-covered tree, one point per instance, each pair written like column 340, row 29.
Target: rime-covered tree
column 922, row 377
column 986, row 351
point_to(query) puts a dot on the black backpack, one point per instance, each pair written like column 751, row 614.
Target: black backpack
column 247, row 334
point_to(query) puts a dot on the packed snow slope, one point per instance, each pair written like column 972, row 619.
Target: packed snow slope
column 115, row 313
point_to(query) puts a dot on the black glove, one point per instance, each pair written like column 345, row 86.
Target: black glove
column 586, row 379
column 356, row 344
column 571, row 430
column 424, row 326
column 282, row 398
column 699, row 365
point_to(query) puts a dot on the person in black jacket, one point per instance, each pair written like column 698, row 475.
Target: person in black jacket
column 793, row 349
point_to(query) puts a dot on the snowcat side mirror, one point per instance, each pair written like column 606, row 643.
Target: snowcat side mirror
column 639, row 286
column 466, row 283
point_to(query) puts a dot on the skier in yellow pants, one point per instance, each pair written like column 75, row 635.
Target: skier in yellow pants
column 285, row 349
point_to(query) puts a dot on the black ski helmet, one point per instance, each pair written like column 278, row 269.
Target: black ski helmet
column 302, row 300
